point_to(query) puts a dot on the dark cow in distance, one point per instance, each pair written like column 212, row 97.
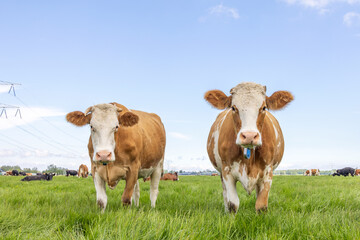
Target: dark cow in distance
column 170, row 176
column 15, row 173
column 46, row 176
column 345, row 172
column 71, row 172
column 22, row 173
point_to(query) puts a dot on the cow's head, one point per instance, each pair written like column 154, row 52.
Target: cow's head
column 104, row 121
column 248, row 103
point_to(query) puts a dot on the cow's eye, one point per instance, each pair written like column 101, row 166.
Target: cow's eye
column 264, row 108
column 233, row 108
column 117, row 127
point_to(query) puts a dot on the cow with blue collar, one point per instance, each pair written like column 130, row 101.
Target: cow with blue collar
column 245, row 142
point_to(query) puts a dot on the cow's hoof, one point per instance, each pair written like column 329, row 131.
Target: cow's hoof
column 126, row 202
column 261, row 210
column 101, row 205
column 232, row 207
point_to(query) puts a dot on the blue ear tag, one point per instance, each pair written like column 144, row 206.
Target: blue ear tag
column 247, row 153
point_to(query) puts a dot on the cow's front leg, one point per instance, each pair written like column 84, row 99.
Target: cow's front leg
column 136, row 193
column 131, row 179
column 262, row 194
column 154, row 184
column 101, row 198
column 231, row 200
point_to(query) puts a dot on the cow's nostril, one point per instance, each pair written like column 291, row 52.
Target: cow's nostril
column 243, row 136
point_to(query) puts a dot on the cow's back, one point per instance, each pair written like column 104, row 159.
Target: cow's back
column 151, row 132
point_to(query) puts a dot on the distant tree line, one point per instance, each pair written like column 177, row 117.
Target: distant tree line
column 51, row 168
column 300, row 172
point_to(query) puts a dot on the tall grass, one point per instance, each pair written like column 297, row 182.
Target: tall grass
column 299, row 208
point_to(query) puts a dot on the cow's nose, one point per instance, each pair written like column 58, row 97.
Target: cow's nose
column 103, row 156
column 249, row 138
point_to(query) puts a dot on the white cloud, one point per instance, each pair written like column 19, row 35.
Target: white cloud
column 4, row 88
column 319, row 4
column 220, row 10
column 179, row 135
column 28, row 115
column 351, row 18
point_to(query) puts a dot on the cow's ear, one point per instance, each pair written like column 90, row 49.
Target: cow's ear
column 218, row 99
column 129, row 119
column 78, row 118
column 278, row 100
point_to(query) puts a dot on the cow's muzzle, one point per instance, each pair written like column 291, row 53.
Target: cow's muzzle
column 104, row 157
column 250, row 139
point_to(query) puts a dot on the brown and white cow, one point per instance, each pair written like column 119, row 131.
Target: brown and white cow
column 245, row 142
column 357, row 172
column 315, row 172
column 83, row 171
column 170, row 176
column 307, row 173
column 124, row 144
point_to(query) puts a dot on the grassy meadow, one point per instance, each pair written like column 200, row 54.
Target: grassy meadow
column 300, row 207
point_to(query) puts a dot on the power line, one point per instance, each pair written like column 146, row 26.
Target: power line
column 48, row 137
column 50, row 123
column 17, row 142
column 71, row 152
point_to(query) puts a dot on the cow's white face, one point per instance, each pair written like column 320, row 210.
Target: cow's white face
column 248, row 104
column 103, row 124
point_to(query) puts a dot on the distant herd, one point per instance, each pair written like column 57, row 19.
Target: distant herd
column 245, row 144
column 347, row 171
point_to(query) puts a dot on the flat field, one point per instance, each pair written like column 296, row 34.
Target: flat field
column 300, row 207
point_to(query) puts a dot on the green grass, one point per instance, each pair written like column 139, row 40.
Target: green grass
column 299, row 208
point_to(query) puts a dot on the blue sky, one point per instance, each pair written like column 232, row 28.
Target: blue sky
column 162, row 56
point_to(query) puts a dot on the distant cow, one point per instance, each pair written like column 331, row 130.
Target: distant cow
column 345, row 172
column 8, row 173
column 39, row 174
column 170, row 176
column 71, row 172
column 357, row 172
column 46, row 176
column 22, row 173
column 214, row 174
column 245, row 142
column 146, row 179
column 315, row 172
column 124, row 144
column 83, row 171
column 307, row 173
column 15, row 173
column 28, row 174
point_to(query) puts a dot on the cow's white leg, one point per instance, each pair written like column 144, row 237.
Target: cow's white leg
column 136, row 193
column 231, row 194
column 100, row 187
column 154, row 185
column 224, row 195
column 262, row 194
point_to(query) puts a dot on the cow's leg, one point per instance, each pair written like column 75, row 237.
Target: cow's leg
column 224, row 194
column 100, row 187
column 136, row 193
column 231, row 194
column 154, row 184
column 262, row 194
column 131, row 180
